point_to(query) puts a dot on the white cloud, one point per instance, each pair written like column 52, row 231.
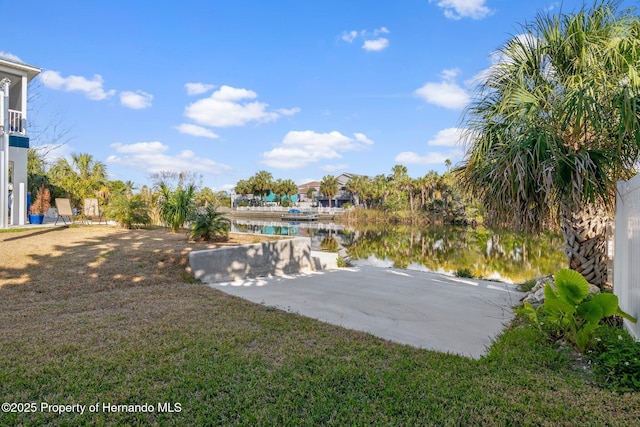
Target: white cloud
column 450, row 137
column 431, row 158
column 360, row 137
column 381, row 30
column 375, row 45
column 9, row 56
column 301, row 148
column 93, row 88
column 457, row 9
column 224, row 108
column 372, row 40
column 349, row 36
column 447, row 93
column 195, row 130
column 154, row 158
column 137, row 100
column 335, row 168
column 198, row 88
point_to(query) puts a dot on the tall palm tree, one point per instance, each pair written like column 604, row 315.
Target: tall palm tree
column 355, row 186
column 555, row 123
column 288, row 188
column 261, row 183
column 329, row 187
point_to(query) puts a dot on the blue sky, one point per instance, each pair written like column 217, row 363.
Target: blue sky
column 227, row 88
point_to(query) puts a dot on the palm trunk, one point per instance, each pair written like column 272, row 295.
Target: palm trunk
column 584, row 230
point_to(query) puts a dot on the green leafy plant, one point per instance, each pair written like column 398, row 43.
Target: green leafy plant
column 616, row 358
column 342, row 263
column 464, row 272
column 527, row 285
column 569, row 313
column 209, row 225
column 176, row 206
column 128, row 212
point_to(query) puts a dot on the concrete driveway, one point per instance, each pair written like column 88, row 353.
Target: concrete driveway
column 422, row 309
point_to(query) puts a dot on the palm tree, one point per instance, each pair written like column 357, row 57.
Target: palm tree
column 81, row 178
column 403, row 182
column 329, row 187
column 261, row 183
column 288, row 188
column 176, row 206
column 356, row 186
column 554, row 124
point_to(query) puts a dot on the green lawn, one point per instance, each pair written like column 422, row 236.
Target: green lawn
column 113, row 319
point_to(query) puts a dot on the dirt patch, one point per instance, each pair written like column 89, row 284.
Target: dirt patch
column 94, row 285
column 77, row 257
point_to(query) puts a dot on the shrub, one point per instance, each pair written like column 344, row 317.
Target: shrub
column 176, row 206
column 527, row 285
column 43, row 201
column 128, row 212
column 209, row 225
column 616, row 357
column 464, row 272
column 569, row 313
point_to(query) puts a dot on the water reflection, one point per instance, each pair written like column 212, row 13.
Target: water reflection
column 486, row 253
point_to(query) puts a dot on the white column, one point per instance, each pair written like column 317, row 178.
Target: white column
column 22, row 208
column 4, row 158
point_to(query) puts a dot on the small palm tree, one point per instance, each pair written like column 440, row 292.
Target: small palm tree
column 176, row 206
column 128, row 211
column 209, row 225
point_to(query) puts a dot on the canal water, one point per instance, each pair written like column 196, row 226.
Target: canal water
column 483, row 252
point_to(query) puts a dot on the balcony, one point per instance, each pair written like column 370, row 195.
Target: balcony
column 16, row 124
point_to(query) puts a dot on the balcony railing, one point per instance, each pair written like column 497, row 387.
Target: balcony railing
column 15, row 121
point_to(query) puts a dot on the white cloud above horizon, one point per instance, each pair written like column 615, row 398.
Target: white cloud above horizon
column 450, row 137
column 198, row 88
column 154, row 157
column 195, row 130
column 228, row 107
column 446, row 93
column 299, row 149
column 458, row 9
column 372, row 42
column 335, row 168
column 10, row 56
column 376, row 45
column 137, row 100
column 92, row 88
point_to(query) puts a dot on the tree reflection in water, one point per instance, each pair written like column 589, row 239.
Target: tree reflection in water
column 487, row 253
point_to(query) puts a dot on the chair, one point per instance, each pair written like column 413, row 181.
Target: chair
column 64, row 209
column 92, row 210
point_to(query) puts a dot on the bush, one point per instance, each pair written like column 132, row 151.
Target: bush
column 209, row 225
column 176, row 206
column 128, row 212
column 616, row 358
column 464, row 272
column 569, row 313
column 285, row 203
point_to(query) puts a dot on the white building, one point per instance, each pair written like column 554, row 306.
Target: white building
column 14, row 78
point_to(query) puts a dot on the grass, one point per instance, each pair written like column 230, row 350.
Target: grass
column 94, row 315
